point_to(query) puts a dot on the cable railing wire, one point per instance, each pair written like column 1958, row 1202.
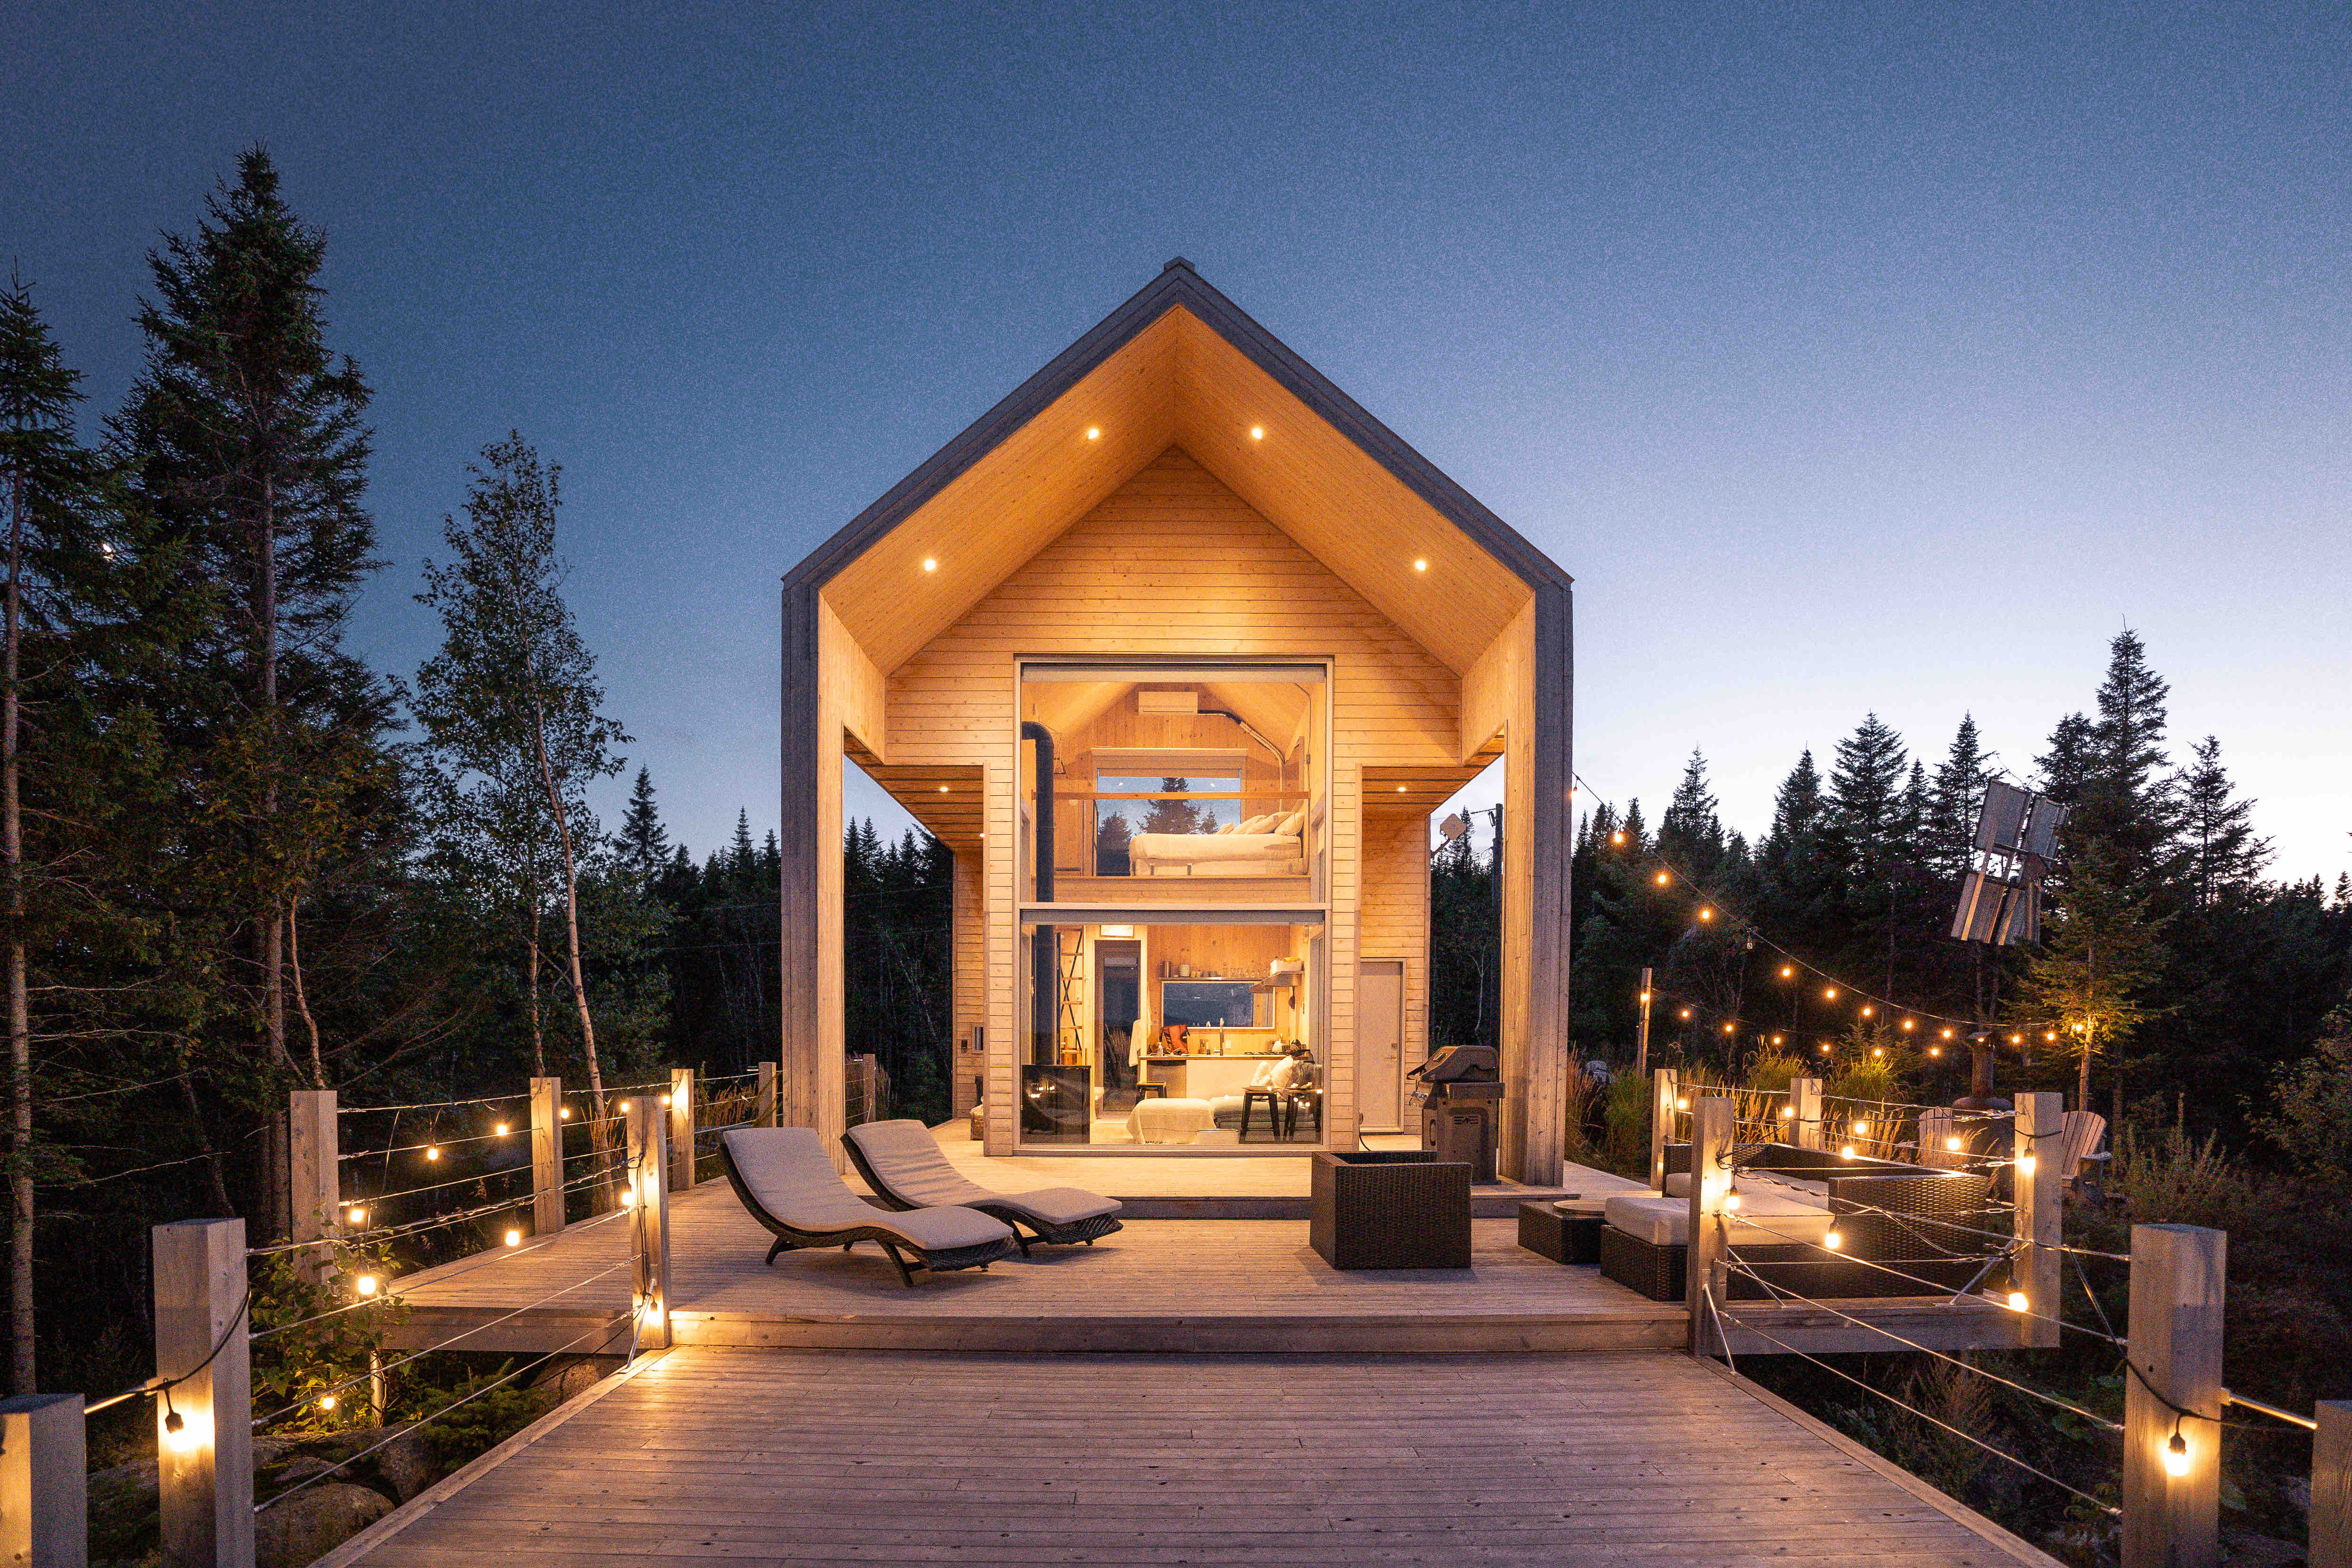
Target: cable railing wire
column 342, row 1110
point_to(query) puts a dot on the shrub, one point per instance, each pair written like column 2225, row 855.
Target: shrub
column 2312, row 1123
column 2177, row 1180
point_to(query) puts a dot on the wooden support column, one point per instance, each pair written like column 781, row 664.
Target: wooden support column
column 546, row 1156
column 2331, row 1484
column 2176, row 1281
column 2039, row 1196
column 681, row 1129
column 1713, row 1128
column 314, row 1175
column 44, row 1482
column 1662, row 1093
column 648, row 1197
column 766, row 1114
column 206, row 1468
column 1805, row 1095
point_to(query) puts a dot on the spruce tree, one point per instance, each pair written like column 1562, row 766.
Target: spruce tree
column 644, row 842
column 2128, row 807
column 1691, row 833
column 244, row 432
column 2224, row 855
column 1953, row 802
column 1865, row 795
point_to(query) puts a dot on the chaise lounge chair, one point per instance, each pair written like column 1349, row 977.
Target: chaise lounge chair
column 784, row 1179
column 904, row 1164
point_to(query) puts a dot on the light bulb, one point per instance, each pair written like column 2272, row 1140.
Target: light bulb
column 564, row 1114
column 2025, row 1164
column 1859, row 1127
column 1878, row 1050
column 433, row 1152
column 502, row 1129
column 931, row 563
column 365, row 1284
column 1867, row 1011
column 1682, row 1104
column 1952, row 1145
column 1908, row 1024
column 1726, row 1029
column 1705, row 914
column 326, row 1402
column 1257, row 432
column 1788, row 1111
column 1846, row 1152
column 1616, row 837
column 1094, row 432
column 1420, row 566
column 1787, row 971
column 1935, row 1050
column 1832, row 1241
column 514, row 1238
column 1686, row 1012
column 1947, row 1034
column 1829, row 993
column 357, row 1216
column 1662, row 879
column 1731, row 1200
column 178, row 1433
column 2017, row 1301
column 628, row 1197
column 2176, row 1455
column 665, row 1099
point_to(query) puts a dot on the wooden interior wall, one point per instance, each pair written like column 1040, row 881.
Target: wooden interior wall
column 966, row 1011
column 1220, row 952
column 1173, row 563
column 1396, row 913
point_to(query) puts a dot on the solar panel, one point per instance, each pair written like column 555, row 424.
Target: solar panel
column 2003, row 817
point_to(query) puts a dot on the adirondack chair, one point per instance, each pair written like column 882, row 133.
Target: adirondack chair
column 2082, row 1142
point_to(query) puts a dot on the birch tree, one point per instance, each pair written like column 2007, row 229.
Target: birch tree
column 510, row 703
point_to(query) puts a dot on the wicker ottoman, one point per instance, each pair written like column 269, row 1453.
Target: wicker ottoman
column 1401, row 1209
column 1554, row 1230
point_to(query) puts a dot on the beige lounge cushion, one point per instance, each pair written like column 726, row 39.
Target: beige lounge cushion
column 787, row 1173
column 1664, row 1221
column 909, row 1161
column 1678, row 1185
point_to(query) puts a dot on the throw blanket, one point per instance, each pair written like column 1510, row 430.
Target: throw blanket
column 1168, row 1120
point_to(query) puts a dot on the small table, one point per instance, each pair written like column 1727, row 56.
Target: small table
column 1152, row 1091
column 1272, row 1098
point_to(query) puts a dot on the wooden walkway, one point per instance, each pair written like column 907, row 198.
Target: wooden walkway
column 1200, row 1286
column 758, row 1457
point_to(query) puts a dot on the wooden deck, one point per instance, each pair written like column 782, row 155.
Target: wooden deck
column 1160, row 1285
column 759, row 1458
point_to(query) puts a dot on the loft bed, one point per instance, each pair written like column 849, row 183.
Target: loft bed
column 1268, row 845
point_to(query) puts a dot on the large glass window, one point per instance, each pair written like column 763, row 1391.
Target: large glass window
column 1210, row 773
column 1165, row 1036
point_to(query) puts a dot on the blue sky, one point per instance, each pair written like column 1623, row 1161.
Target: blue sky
column 1857, row 358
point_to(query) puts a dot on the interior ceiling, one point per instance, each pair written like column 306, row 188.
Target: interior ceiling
column 1178, row 382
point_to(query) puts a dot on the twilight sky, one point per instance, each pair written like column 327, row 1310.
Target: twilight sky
column 1855, row 358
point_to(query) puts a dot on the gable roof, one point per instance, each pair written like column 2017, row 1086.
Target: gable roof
column 1177, row 364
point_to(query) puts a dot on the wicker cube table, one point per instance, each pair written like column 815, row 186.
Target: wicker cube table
column 1390, row 1208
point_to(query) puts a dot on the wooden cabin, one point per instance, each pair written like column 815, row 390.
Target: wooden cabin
column 1178, row 649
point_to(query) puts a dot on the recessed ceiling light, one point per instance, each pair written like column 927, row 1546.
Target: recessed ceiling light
column 1399, row 789
column 1257, row 432
column 930, row 564
column 943, row 789
column 1420, row 566
column 1094, row 432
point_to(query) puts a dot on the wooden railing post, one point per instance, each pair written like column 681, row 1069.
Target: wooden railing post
column 2172, row 1496
column 44, row 1482
column 1662, row 1123
column 649, row 1196
column 681, row 1128
column 2331, row 1486
column 2036, row 1185
column 767, row 1114
column 1805, row 1095
column 206, row 1466
column 1713, row 1128
column 546, row 1156
column 313, row 1153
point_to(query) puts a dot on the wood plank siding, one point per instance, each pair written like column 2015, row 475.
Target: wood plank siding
column 1394, row 921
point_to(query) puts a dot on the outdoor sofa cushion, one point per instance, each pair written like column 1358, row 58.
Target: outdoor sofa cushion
column 1664, row 1221
column 1678, row 1185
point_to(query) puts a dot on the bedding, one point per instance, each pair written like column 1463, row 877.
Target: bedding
column 1155, row 1121
column 1216, row 854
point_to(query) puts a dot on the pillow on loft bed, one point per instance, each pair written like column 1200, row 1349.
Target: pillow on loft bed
column 1291, row 824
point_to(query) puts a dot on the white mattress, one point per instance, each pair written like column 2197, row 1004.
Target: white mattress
column 1267, row 855
column 1160, row 1120
column 1665, row 1221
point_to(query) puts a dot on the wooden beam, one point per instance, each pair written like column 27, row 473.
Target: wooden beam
column 314, row 1175
column 681, row 1129
column 44, row 1482
column 1713, row 1128
column 858, row 687
column 546, row 1156
column 1805, row 1097
column 1662, row 1093
column 2331, row 1484
column 1490, row 681
column 2039, row 1194
column 766, row 1114
column 2173, row 1520
column 649, row 1220
column 206, row 1468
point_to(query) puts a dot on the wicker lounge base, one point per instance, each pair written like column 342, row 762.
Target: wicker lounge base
column 1657, row 1272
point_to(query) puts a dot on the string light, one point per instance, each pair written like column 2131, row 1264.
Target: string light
column 1728, row 1029
column 1731, row 1200
column 1662, row 879
column 1829, row 993
column 1834, row 1240
column 356, row 1217
column 2176, row 1452
column 1704, row 912
column 514, row 1238
column 1935, row 1050
column 1617, row 838
column 1948, row 1033
column 1788, row 971
column 502, row 1129
column 1686, row 1012
column 326, row 1402
column 433, row 1152
column 1907, row 1024
column 565, row 1114
column 2025, row 1164
column 1878, row 1050
column 628, row 1197
column 2017, row 1303
column 1867, row 1009
column 665, row 1099
column 365, row 1284
column 1825, row 1048
column 1952, row 1146
column 1775, row 1040
column 1846, row 1152
column 176, row 1431
column 1859, row 1127
column 1787, row 1112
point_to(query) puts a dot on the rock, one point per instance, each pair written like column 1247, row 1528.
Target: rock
column 406, row 1465
column 296, row 1467
column 577, row 1376
column 313, row 1523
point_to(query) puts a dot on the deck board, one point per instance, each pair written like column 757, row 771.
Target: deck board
column 757, row 1457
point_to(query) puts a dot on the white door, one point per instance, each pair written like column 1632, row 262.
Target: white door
column 1379, row 1035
